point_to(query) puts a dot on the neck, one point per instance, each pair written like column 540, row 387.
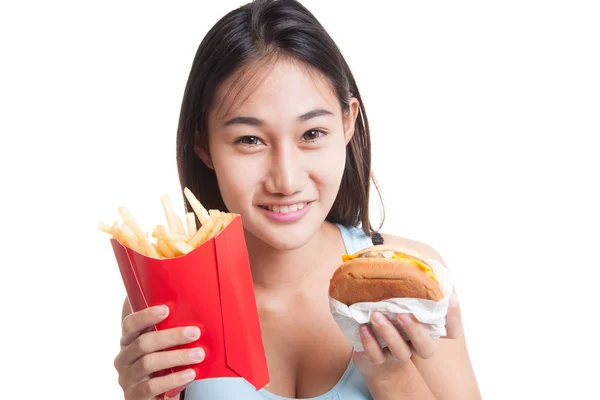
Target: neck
column 275, row 269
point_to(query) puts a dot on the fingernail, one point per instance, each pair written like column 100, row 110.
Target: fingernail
column 197, row 354
column 161, row 311
column 364, row 331
column 453, row 301
column 404, row 319
column 192, row 332
column 188, row 375
column 379, row 318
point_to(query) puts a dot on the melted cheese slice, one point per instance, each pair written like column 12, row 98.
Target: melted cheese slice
column 398, row 256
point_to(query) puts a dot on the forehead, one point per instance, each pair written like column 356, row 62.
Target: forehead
column 280, row 88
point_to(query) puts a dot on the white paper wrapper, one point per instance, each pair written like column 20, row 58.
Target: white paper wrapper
column 430, row 313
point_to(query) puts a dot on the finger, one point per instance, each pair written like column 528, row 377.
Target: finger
column 161, row 360
column 399, row 349
column 155, row 341
column 424, row 346
column 135, row 323
column 373, row 350
column 157, row 386
column 454, row 326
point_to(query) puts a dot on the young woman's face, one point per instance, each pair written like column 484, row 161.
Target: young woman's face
column 278, row 151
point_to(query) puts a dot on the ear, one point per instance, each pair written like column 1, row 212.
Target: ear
column 201, row 150
column 350, row 119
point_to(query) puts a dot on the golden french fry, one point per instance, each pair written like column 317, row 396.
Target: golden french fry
column 132, row 241
column 202, row 234
column 137, row 230
column 173, row 220
column 165, row 249
column 198, row 208
column 160, row 253
column 216, row 228
column 105, row 227
column 191, row 223
column 173, row 236
column 228, row 217
column 183, row 247
column 165, row 236
column 115, row 231
column 179, row 238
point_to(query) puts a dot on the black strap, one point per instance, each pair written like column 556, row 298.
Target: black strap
column 376, row 238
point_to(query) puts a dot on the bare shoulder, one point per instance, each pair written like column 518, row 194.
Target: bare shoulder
column 413, row 247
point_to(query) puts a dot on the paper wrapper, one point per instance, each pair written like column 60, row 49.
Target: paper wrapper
column 432, row 314
column 210, row 287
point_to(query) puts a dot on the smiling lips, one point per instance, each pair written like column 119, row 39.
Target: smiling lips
column 286, row 213
column 284, row 209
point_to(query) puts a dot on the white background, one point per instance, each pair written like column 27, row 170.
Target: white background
column 485, row 120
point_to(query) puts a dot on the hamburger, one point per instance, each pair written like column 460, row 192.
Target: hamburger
column 379, row 273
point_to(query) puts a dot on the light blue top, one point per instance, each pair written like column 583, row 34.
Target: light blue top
column 351, row 385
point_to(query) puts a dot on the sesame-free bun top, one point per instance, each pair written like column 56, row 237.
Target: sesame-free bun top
column 381, row 272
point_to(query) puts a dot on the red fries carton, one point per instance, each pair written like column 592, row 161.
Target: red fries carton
column 210, row 287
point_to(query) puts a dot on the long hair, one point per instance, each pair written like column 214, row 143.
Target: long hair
column 263, row 30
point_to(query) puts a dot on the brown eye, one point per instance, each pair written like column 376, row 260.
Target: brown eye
column 312, row 135
column 248, row 141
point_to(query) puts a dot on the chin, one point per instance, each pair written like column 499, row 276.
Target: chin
column 289, row 242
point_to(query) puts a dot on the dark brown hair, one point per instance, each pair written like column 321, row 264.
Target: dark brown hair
column 258, row 31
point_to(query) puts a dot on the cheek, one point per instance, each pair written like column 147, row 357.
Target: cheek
column 236, row 177
column 330, row 167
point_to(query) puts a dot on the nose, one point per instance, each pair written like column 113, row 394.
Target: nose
column 287, row 175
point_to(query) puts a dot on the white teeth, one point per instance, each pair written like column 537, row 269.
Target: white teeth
column 286, row 209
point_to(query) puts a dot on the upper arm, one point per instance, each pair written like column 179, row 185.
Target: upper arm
column 449, row 373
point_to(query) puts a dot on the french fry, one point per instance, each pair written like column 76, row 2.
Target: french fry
column 115, row 230
column 228, row 217
column 137, row 230
column 132, row 241
column 160, row 253
column 198, row 208
column 216, row 228
column 165, row 249
column 183, row 247
column 191, row 223
column 165, row 236
column 177, row 239
column 105, row 227
column 202, row 234
column 173, row 221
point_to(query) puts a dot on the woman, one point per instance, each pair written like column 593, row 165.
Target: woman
column 272, row 127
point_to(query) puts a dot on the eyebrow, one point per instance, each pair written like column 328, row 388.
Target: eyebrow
column 318, row 112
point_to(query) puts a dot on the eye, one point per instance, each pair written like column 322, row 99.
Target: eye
column 248, row 141
column 312, row 135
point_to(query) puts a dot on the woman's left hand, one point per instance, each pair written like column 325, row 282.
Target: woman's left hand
column 385, row 363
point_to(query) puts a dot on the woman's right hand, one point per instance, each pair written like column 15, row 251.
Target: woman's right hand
column 141, row 355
